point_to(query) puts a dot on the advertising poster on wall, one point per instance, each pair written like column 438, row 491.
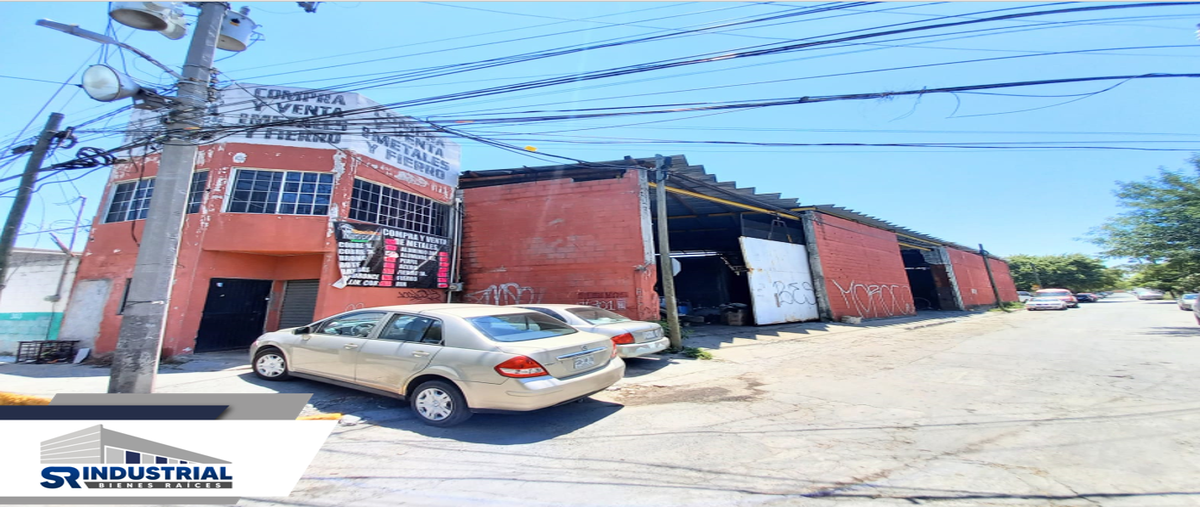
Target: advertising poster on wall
column 377, row 256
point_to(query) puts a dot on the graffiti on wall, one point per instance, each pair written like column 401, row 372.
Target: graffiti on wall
column 606, row 300
column 505, row 294
column 877, row 300
column 420, row 295
column 794, row 294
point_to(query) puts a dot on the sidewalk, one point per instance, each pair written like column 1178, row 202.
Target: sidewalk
column 735, row 349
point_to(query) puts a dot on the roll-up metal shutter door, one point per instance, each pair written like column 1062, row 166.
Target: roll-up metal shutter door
column 299, row 303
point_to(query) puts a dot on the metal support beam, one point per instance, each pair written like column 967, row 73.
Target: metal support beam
column 814, row 265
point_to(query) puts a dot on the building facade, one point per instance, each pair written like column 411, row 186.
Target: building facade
column 282, row 226
column 586, row 234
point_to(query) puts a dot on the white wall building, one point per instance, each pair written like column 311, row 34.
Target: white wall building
column 29, row 309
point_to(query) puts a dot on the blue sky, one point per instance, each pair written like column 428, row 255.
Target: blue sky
column 1018, row 201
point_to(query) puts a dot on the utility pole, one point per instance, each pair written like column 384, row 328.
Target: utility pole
column 139, row 344
column 665, row 263
column 995, row 290
column 17, row 214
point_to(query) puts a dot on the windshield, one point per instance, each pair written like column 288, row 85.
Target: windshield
column 597, row 315
column 519, row 327
column 1189, row 296
column 1056, row 293
column 1046, row 299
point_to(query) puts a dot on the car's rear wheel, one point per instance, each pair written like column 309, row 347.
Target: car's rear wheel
column 439, row 403
column 269, row 364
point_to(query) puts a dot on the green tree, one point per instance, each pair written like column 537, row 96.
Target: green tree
column 1076, row 272
column 1160, row 229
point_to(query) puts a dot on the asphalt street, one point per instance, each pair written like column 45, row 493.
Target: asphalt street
column 1098, row 405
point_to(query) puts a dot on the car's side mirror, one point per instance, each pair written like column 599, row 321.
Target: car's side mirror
column 302, row 330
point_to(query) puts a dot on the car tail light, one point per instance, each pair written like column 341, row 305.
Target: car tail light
column 520, row 367
column 623, row 339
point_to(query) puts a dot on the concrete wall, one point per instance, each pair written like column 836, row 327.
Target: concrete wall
column 560, row 241
column 25, row 314
column 215, row 244
column 973, row 281
column 864, row 272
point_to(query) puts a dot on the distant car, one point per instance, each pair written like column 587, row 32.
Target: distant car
column 1150, row 295
column 633, row 338
column 1023, row 296
column 1063, row 294
column 1196, row 312
column 1045, row 303
column 1187, row 301
column 447, row 360
column 1086, row 297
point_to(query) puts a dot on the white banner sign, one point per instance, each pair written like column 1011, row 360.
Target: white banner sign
column 327, row 121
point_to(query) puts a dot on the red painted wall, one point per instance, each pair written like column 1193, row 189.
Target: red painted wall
column 559, row 241
column 215, row 244
column 864, row 272
column 973, row 281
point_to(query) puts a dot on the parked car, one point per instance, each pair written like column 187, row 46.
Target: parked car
column 1063, row 294
column 1045, row 303
column 1196, row 312
column 1150, row 295
column 1187, row 301
column 446, row 360
column 1086, row 297
column 1023, row 296
column 633, row 338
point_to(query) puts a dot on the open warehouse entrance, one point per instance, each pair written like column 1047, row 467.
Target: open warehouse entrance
column 734, row 250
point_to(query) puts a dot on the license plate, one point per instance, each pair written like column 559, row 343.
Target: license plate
column 584, row 362
column 650, row 335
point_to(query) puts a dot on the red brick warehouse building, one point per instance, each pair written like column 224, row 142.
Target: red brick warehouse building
column 283, row 225
column 583, row 234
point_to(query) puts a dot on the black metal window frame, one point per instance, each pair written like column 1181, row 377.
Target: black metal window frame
column 131, row 199
column 265, row 191
column 380, row 204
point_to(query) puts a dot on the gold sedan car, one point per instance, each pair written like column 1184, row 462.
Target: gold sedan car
column 447, row 360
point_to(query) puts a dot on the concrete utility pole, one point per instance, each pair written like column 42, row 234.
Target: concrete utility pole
column 665, row 263
column 135, row 362
column 17, row 214
column 995, row 290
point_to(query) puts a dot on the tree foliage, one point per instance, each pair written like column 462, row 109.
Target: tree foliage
column 1160, row 229
column 1076, row 272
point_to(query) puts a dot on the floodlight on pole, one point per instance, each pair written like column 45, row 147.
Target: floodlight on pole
column 105, row 84
column 162, row 17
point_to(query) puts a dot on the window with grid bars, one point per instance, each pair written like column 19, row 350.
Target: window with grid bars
column 382, row 205
column 131, row 200
column 281, row 192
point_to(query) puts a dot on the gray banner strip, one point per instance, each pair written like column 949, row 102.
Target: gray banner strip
column 118, row 500
column 242, row 406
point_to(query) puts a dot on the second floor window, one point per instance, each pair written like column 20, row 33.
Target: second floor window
column 377, row 204
column 281, row 192
column 131, row 199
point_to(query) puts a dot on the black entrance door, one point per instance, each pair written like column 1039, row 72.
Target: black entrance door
column 234, row 314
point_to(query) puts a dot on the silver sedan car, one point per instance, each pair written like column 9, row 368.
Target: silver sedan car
column 447, row 360
column 634, row 338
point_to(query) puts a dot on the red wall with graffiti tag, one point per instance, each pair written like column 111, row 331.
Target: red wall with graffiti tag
column 973, row 282
column 864, row 272
column 559, row 241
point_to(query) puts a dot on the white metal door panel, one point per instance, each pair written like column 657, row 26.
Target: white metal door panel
column 781, row 286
